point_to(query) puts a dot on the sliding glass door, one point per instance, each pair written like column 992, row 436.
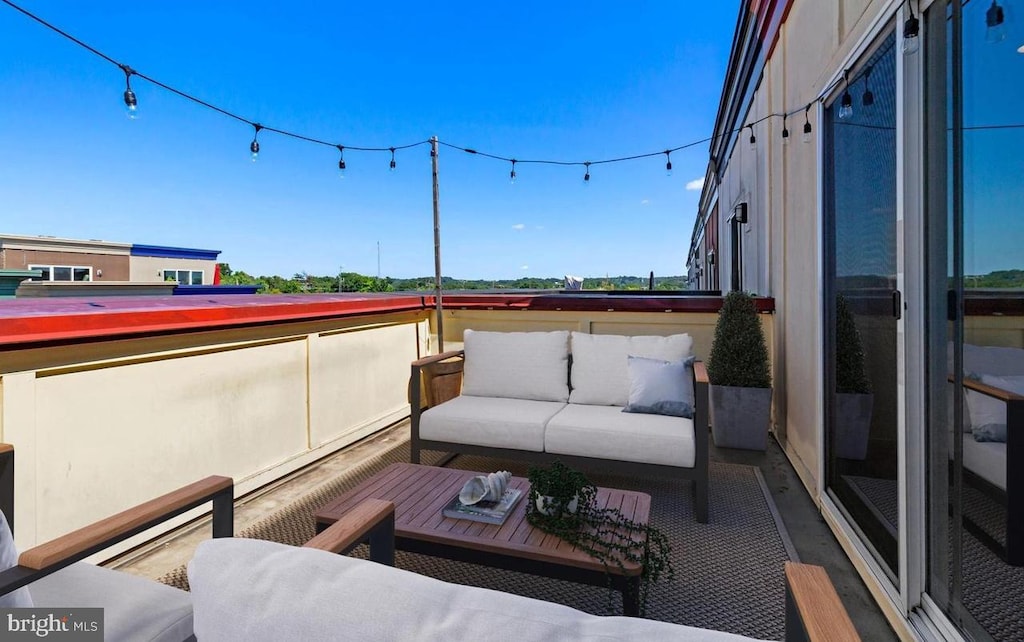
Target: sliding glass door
column 974, row 217
column 862, row 303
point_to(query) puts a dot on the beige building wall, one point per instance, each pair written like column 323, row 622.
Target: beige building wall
column 151, row 268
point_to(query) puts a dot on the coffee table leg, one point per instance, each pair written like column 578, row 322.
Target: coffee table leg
column 631, row 596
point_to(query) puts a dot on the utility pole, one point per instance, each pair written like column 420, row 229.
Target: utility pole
column 378, row 260
column 437, row 248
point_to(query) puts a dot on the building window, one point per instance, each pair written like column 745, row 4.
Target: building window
column 63, row 272
column 184, row 277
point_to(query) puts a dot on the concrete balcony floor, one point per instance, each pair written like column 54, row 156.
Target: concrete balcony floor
column 811, row 537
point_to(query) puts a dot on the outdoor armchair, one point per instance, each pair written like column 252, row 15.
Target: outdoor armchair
column 52, row 575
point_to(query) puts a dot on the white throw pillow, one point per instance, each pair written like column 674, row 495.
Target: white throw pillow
column 659, row 387
column 517, row 365
column 19, row 598
column 988, row 414
column 600, row 373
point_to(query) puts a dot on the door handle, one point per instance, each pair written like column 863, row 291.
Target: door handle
column 897, row 304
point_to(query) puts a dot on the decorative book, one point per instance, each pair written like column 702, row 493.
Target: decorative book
column 487, row 512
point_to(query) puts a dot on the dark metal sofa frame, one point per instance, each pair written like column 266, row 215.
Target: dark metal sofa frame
column 441, row 377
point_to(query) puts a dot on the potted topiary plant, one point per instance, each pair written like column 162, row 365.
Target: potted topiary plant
column 561, row 502
column 854, row 399
column 738, row 369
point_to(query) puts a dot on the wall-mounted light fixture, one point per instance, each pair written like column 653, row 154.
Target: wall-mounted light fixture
column 739, row 213
column 99, row 273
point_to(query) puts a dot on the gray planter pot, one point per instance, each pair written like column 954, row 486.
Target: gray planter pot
column 853, row 424
column 740, row 416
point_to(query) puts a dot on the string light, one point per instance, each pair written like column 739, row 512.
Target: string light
column 341, row 161
column 846, row 104
column 785, row 130
column 753, row 139
column 910, row 30
column 869, row 98
column 807, row 124
column 254, row 146
column 668, row 162
column 994, row 29
column 130, row 101
column 512, row 174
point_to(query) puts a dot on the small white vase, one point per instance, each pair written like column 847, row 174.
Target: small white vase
column 546, row 504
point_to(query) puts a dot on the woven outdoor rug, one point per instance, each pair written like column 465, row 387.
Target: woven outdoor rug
column 729, row 572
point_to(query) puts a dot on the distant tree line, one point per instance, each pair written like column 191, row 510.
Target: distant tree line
column 354, row 282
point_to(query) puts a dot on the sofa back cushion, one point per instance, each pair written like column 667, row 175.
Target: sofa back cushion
column 600, row 371
column 517, row 365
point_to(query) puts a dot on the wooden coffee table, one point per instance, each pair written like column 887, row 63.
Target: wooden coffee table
column 420, row 492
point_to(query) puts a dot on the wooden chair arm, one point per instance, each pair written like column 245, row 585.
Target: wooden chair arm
column 90, row 539
column 700, row 372
column 814, row 611
column 991, row 391
column 434, row 358
column 354, row 527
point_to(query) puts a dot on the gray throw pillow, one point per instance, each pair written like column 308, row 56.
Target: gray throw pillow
column 658, row 387
column 990, row 432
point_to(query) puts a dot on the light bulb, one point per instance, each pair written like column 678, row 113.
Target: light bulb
column 668, row 163
column 846, row 106
column 995, row 30
column 131, row 103
column 341, row 161
column 785, row 135
column 910, row 30
column 392, row 159
column 254, row 150
column 586, row 176
column 753, row 139
column 806, row 136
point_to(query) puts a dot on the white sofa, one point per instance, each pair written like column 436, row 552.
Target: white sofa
column 253, row 590
column 541, row 396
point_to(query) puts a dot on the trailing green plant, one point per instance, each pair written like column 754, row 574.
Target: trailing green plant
column 739, row 356
column 604, row 533
column 851, row 376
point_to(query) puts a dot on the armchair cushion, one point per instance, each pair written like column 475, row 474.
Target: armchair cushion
column 146, row 610
column 256, row 590
column 490, row 421
column 18, row 598
column 517, row 365
column 605, row 432
column 600, row 373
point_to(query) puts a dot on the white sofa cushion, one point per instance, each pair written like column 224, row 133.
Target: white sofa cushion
column 254, row 590
column 490, row 421
column 599, row 363
column 606, row 432
column 18, row 598
column 135, row 609
column 985, row 459
column 517, row 365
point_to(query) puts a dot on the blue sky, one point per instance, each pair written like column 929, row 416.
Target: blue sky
column 563, row 80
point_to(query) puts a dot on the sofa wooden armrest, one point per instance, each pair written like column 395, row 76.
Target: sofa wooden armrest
column 373, row 520
column 814, row 611
column 434, row 358
column 700, row 372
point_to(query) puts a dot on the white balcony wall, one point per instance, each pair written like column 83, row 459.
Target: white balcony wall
column 101, row 427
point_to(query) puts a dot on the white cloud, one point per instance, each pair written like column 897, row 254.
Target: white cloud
column 524, row 267
column 696, row 184
column 518, row 226
column 645, row 201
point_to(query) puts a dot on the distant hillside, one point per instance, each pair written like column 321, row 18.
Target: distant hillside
column 354, row 282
